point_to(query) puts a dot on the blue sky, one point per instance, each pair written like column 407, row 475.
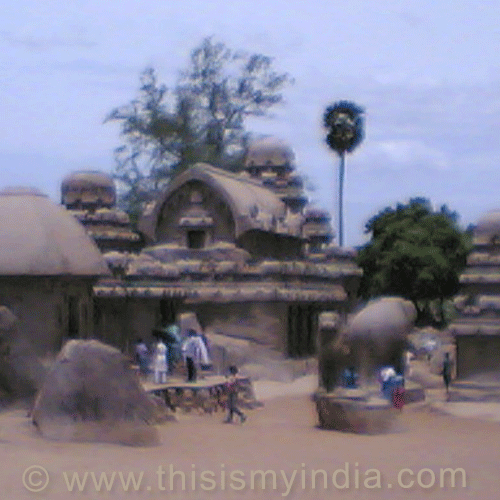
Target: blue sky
column 427, row 73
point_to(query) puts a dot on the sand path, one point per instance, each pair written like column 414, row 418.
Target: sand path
column 279, row 437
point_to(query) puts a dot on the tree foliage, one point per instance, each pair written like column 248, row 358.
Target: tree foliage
column 414, row 252
column 344, row 122
column 201, row 119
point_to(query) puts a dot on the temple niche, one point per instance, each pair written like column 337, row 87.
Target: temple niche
column 476, row 328
column 243, row 251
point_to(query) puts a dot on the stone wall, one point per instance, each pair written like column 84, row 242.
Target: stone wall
column 264, row 323
column 50, row 310
column 477, row 354
column 264, row 245
column 120, row 322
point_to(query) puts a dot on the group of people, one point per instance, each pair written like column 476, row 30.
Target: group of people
column 160, row 362
column 194, row 349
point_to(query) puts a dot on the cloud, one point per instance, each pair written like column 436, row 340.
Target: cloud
column 412, row 20
column 94, row 67
column 37, row 42
column 403, row 153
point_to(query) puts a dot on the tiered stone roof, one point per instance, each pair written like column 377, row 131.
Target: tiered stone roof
column 478, row 303
column 91, row 197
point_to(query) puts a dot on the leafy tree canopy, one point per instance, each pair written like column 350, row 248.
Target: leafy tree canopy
column 344, row 122
column 415, row 252
column 201, row 119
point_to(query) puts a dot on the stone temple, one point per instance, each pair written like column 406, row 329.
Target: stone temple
column 245, row 252
column 477, row 327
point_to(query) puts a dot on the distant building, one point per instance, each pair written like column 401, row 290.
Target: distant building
column 477, row 327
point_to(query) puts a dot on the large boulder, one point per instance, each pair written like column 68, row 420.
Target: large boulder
column 91, row 394
column 21, row 371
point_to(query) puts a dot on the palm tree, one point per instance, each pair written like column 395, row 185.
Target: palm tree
column 344, row 121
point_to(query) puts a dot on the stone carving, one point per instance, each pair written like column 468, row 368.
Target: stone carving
column 369, row 340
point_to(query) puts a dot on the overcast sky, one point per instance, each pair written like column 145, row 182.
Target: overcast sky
column 427, row 73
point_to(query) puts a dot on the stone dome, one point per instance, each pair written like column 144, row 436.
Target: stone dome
column 40, row 238
column 487, row 229
column 88, row 188
column 269, row 152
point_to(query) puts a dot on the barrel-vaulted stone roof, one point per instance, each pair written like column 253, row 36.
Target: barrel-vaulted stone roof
column 253, row 206
column 40, row 238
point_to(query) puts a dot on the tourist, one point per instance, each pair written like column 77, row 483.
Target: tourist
column 349, row 378
column 386, row 375
column 173, row 341
column 407, row 370
column 160, row 365
column 142, row 357
column 398, row 396
column 232, row 397
column 195, row 354
column 446, row 373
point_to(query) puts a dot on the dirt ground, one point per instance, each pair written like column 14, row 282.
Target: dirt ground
column 281, row 438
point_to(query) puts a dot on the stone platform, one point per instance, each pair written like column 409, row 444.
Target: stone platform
column 354, row 410
column 361, row 411
column 414, row 392
column 207, row 394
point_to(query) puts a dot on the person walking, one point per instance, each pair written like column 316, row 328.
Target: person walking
column 232, row 397
column 446, row 373
column 398, row 396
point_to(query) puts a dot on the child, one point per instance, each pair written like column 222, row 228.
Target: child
column 160, row 366
column 232, row 396
column 398, row 397
column 142, row 356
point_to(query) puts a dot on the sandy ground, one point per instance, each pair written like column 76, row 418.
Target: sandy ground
column 281, row 436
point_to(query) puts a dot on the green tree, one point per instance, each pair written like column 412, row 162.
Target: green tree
column 344, row 122
column 201, row 119
column 416, row 253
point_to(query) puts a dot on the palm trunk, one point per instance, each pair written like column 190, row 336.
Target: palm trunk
column 341, row 199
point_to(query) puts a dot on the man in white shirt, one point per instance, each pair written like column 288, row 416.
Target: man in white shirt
column 195, row 353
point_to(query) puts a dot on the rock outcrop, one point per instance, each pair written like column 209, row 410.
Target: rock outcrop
column 91, row 394
column 21, row 371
